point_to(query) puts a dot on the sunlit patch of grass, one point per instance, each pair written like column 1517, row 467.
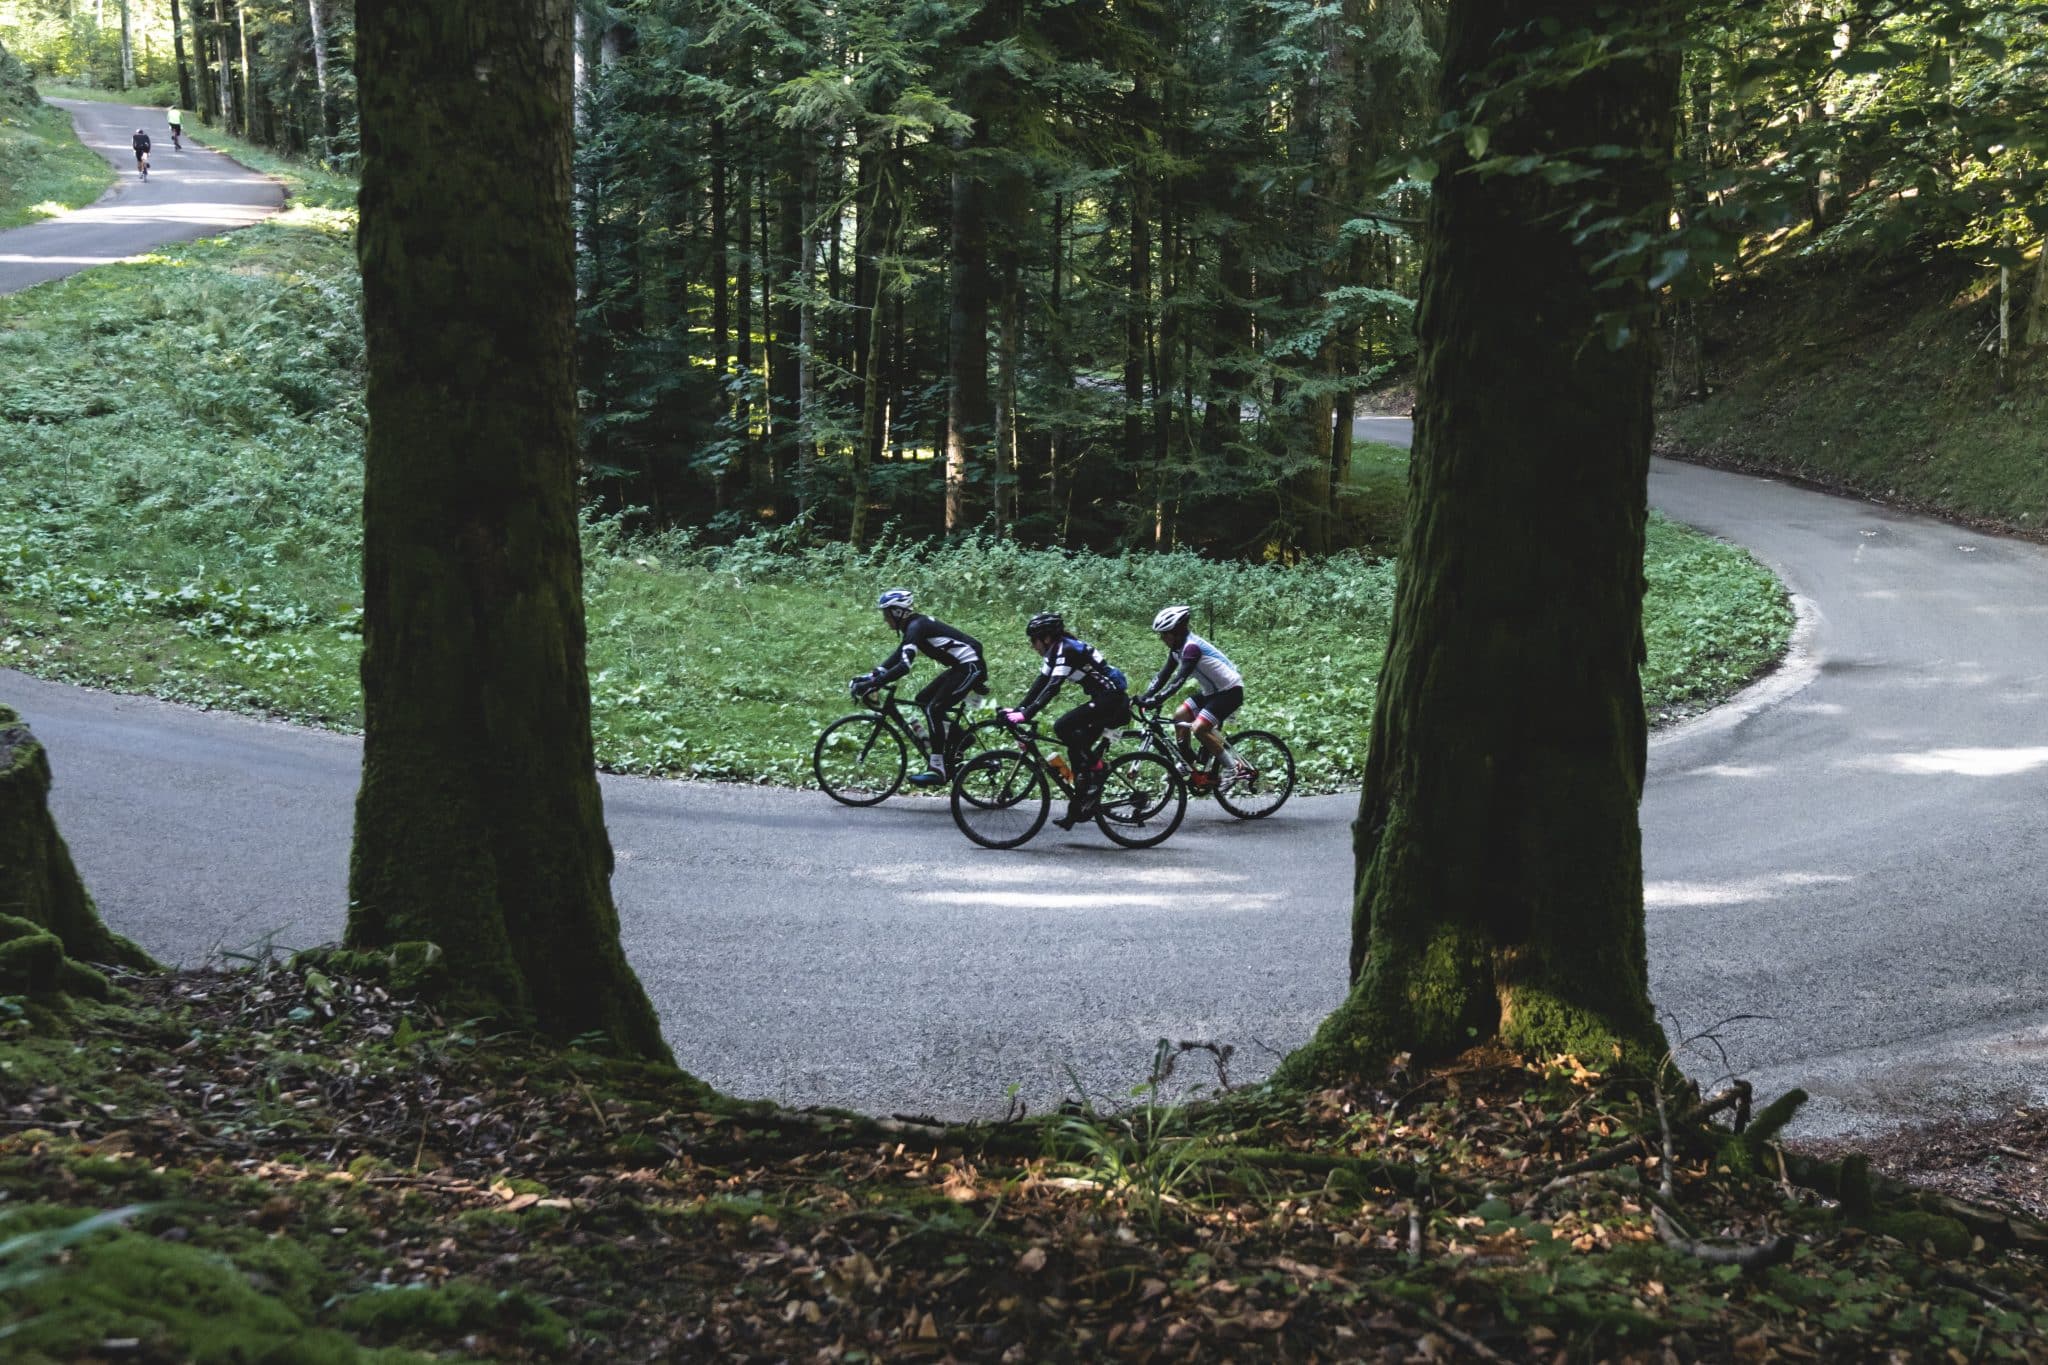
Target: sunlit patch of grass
column 44, row 169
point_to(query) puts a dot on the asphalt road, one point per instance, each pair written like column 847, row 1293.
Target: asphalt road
column 1850, row 852
column 190, row 193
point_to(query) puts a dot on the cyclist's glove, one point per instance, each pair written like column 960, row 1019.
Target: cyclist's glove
column 1015, row 717
column 858, row 688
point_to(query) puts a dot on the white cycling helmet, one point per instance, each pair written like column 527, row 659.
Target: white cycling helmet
column 899, row 598
column 1170, row 618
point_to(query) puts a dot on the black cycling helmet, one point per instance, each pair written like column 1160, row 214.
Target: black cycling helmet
column 1045, row 623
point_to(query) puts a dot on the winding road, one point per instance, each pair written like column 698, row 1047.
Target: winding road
column 1849, row 855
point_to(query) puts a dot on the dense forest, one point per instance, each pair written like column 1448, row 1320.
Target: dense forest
column 1104, row 275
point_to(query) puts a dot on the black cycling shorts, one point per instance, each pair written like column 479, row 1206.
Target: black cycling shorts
column 1218, row 706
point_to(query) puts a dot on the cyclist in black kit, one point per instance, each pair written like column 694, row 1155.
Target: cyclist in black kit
column 956, row 649
column 141, row 144
column 1081, row 729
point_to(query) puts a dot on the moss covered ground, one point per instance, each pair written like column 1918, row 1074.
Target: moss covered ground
column 289, row 1164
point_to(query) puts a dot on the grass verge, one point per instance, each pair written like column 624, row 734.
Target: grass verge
column 44, row 169
column 305, row 1168
column 192, row 531
column 1877, row 381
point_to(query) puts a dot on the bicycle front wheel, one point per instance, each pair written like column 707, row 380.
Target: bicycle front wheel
column 1000, row 798
column 859, row 760
column 1256, row 775
column 1142, row 801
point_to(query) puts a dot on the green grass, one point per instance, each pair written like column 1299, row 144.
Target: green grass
column 44, row 168
column 192, row 531
column 1882, row 386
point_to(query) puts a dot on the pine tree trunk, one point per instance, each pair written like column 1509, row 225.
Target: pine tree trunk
column 127, row 49
column 1499, row 889
column 479, row 825
column 225, row 91
column 178, row 55
column 317, row 20
column 967, row 401
column 785, row 320
column 247, row 103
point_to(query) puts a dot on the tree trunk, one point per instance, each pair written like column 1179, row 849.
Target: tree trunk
column 479, row 825
column 225, row 92
column 317, row 20
column 1003, row 442
column 2037, row 310
column 48, row 922
column 178, row 55
column 1499, row 890
column 248, row 100
column 784, row 317
column 127, row 49
column 967, row 402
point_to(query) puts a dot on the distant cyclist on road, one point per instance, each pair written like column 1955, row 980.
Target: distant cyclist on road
column 960, row 653
column 141, row 144
column 177, row 122
column 1081, row 729
column 1188, row 655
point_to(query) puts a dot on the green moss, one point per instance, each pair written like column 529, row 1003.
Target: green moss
column 179, row 1301
column 452, row 1311
column 1949, row 1238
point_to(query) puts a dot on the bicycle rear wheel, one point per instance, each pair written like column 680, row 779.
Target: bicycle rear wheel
column 859, row 760
column 1000, row 798
column 1142, row 801
column 1256, row 775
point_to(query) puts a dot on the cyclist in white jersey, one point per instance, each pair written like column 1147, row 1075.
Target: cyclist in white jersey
column 1189, row 656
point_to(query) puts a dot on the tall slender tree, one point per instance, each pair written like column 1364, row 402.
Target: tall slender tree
column 479, row 825
column 1499, row 889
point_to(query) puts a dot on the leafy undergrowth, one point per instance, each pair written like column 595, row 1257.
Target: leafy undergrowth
column 297, row 1166
column 1876, row 380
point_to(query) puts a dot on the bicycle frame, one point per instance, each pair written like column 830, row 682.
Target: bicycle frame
column 1028, row 737
column 899, row 713
column 1156, row 737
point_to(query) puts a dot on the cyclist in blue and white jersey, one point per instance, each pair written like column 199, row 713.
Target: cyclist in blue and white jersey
column 959, row 652
column 1081, row 729
column 1220, row 694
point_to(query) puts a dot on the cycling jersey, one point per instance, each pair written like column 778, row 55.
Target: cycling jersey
column 935, row 640
column 140, row 142
column 1075, row 659
column 1200, row 660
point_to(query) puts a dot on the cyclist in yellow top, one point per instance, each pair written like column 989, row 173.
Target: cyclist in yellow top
column 176, row 120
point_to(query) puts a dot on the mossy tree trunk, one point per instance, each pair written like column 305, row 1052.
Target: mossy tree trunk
column 1499, row 888
column 46, row 916
column 479, row 825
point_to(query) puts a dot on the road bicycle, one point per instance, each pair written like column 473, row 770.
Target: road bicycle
column 861, row 759
column 1253, row 778
column 142, row 164
column 1002, row 796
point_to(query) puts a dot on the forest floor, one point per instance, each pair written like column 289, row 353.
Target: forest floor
column 295, row 1162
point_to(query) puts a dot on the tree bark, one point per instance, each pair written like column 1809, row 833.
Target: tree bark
column 41, row 896
column 317, row 21
column 178, row 54
column 967, row 400
column 225, row 91
column 127, row 49
column 1499, row 890
column 479, row 825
